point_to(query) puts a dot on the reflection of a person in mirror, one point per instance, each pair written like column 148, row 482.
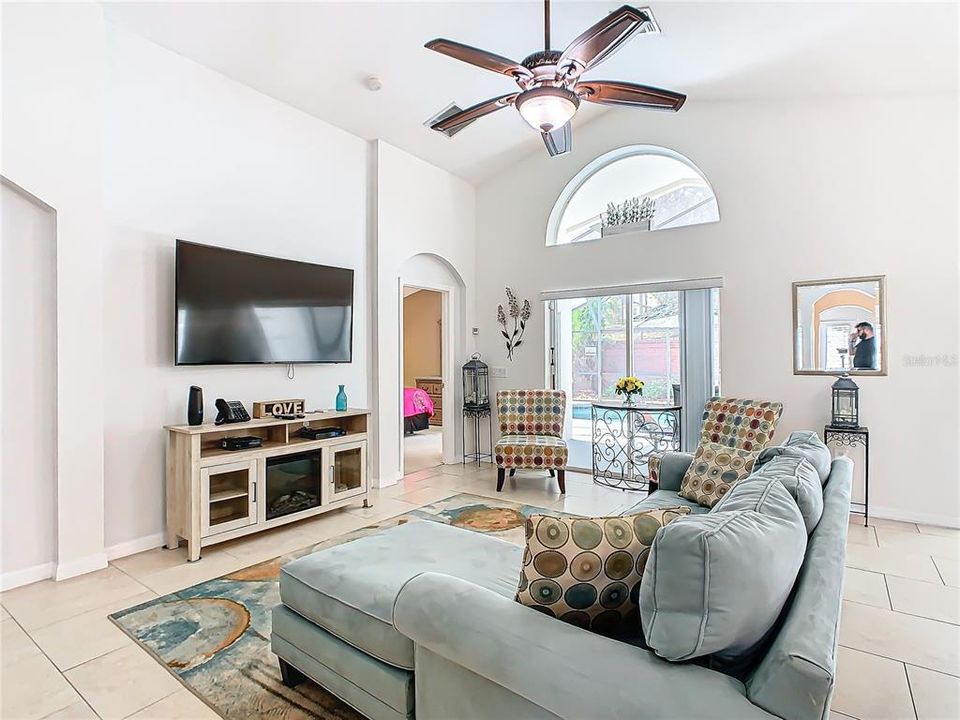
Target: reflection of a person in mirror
column 863, row 347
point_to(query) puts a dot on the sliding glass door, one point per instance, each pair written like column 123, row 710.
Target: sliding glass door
column 597, row 339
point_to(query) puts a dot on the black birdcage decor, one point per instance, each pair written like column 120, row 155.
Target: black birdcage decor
column 846, row 403
column 476, row 384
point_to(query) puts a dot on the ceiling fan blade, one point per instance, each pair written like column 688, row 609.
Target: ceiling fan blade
column 613, row 92
column 601, row 39
column 559, row 141
column 472, row 113
column 480, row 58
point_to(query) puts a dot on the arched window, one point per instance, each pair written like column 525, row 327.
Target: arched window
column 672, row 188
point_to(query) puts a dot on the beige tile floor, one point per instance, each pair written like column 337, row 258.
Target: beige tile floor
column 61, row 658
column 423, row 449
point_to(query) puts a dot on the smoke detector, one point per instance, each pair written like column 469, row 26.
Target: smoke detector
column 374, row 83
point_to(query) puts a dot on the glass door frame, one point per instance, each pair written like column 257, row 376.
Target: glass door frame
column 553, row 324
column 554, row 363
column 252, row 468
column 328, row 493
column 699, row 371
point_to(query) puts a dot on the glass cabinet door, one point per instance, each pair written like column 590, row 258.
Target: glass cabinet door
column 228, row 497
column 346, row 471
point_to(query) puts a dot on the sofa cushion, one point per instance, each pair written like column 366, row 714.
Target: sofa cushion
column 586, row 571
column 797, row 675
column 714, row 470
column 349, row 589
column 800, row 479
column 715, row 583
column 664, row 499
column 805, row 444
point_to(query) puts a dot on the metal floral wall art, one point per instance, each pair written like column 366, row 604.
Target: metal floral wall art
column 520, row 316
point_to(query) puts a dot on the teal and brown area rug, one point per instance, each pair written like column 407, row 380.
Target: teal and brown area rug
column 215, row 637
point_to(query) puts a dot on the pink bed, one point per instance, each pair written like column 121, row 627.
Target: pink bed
column 416, row 402
column 417, row 410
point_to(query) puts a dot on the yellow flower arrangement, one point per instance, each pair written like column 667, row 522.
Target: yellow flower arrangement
column 629, row 386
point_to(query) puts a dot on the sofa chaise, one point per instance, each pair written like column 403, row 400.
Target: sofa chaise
column 420, row 621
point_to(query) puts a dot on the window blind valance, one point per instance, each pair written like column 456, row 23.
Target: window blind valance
column 662, row 286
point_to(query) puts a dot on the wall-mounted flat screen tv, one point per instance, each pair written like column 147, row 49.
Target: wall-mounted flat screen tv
column 239, row 308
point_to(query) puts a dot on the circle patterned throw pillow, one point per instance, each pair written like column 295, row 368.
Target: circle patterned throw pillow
column 587, row 571
column 714, row 470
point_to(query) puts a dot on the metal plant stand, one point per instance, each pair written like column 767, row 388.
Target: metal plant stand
column 845, row 437
column 477, row 414
column 624, row 436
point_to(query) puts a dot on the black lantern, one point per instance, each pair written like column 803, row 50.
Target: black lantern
column 846, row 403
column 476, row 386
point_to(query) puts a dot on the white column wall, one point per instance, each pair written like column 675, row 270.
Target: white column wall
column 53, row 73
column 420, row 210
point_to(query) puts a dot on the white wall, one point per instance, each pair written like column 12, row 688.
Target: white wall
column 134, row 146
column 192, row 155
column 807, row 190
column 28, row 395
column 53, row 70
column 422, row 332
column 420, row 210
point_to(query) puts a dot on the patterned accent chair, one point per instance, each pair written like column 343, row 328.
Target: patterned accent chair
column 735, row 422
column 531, row 425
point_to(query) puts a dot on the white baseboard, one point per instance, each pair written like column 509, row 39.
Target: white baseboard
column 386, row 482
column 886, row 513
column 132, row 547
column 97, row 561
column 81, row 566
column 18, row 578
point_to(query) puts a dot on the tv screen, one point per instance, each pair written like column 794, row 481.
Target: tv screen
column 239, row 308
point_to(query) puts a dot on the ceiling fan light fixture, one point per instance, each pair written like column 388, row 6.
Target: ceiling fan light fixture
column 547, row 108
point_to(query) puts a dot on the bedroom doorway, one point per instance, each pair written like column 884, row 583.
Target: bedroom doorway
column 423, row 380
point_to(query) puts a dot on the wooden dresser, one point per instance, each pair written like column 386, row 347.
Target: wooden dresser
column 433, row 386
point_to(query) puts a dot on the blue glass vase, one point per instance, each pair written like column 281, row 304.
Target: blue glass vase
column 341, row 399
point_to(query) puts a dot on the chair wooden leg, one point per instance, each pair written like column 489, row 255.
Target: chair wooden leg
column 560, row 481
column 552, row 473
column 513, row 471
column 500, row 475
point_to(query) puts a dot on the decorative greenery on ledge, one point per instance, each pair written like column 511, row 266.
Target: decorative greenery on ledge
column 630, row 211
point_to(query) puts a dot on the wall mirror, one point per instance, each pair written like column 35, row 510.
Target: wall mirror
column 839, row 326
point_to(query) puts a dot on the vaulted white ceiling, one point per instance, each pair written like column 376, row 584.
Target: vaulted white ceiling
column 316, row 56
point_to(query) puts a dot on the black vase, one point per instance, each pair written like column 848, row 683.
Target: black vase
column 195, row 406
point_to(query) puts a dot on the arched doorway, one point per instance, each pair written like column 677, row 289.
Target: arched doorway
column 430, row 274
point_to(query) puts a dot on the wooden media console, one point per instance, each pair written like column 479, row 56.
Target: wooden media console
column 214, row 494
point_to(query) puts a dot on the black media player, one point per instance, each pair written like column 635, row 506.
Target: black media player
column 323, row 433
column 241, row 443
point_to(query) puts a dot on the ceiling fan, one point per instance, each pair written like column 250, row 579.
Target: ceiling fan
column 551, row 87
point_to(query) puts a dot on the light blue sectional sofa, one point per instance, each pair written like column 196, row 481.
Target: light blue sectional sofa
column 420, row 621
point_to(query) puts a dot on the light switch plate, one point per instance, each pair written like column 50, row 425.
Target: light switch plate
column 498, row 372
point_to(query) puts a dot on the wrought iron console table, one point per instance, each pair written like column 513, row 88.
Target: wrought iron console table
column 624, row 436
